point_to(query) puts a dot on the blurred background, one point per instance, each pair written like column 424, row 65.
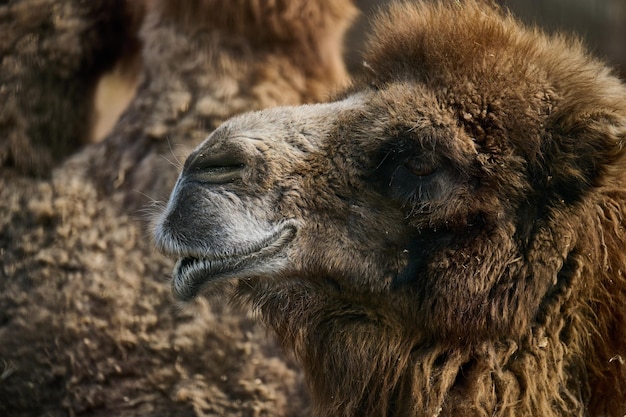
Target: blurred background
column 601, row 23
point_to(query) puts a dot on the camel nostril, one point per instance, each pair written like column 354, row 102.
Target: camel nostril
column 215, row 168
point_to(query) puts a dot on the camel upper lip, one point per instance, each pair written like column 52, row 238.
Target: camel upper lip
column 193, row 271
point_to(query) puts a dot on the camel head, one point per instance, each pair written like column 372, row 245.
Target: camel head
column 272, row 195
column 447, row 236
column 444, row 185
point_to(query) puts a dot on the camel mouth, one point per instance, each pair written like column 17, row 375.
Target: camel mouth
column 192, row 273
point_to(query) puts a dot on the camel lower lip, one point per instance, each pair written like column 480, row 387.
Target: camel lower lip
column 191, row 274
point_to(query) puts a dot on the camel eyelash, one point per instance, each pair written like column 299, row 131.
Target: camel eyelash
column 421, row 169
column 405, row 184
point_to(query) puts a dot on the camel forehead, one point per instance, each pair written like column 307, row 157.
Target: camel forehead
column 363, row 119
column 306, row 122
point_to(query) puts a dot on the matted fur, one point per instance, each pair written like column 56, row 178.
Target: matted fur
column 455, row 223
column 53, row 53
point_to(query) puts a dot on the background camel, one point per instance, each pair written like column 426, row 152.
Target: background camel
column 87, row 323
column 445, row 239
column 53, row 53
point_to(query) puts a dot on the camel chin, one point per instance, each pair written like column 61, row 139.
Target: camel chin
column 263, row 258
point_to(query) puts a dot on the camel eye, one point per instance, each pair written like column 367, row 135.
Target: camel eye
column 420, row 168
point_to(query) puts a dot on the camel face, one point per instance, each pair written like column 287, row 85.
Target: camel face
column 365, row 192
column 255, row 200
column 284, row 193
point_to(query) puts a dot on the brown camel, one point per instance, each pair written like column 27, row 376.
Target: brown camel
column 447, row 238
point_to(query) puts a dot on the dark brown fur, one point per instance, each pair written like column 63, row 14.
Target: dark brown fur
column 452, row 231
column 544, row 259
column 53, row 53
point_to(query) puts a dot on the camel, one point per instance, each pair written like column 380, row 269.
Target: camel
column 445, row 238
column 53, row 54
column 87, row 323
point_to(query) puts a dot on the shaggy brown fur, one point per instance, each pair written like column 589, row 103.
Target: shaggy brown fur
column 87, row 327
column 52, row 55
column 445, row 240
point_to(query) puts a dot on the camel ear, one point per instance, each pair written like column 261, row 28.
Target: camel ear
column 581, row 153
column 602, row 138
